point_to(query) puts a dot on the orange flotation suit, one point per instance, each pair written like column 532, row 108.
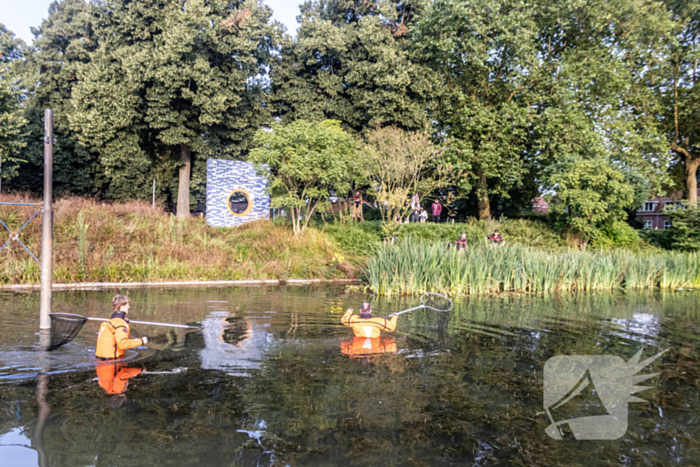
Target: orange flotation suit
column 113, row 338
column 359, row 347
column 114, row 378
column 371, row 327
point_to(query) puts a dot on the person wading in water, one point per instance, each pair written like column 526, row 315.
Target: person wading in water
column 113, row 338
column 365, row 325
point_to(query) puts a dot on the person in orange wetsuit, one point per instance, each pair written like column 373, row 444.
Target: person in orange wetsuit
column 113, row 338
column 365, row 325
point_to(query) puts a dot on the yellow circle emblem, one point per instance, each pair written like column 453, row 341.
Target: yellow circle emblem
column 239, row 202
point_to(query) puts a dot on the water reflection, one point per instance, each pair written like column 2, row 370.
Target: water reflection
column 364, row 347
column 232, row 344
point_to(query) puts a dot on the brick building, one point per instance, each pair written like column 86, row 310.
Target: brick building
column 652, row 214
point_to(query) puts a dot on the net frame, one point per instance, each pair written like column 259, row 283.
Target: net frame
column 61, row 336
column 441, row 297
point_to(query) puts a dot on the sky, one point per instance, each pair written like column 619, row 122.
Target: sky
column 19, row 15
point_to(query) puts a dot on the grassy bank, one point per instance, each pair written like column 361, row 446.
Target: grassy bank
column 96, row 242
column 365, row 238
column 414, row 267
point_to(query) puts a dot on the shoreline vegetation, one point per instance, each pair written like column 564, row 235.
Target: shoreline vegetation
column 513, row 268
column 130, row 242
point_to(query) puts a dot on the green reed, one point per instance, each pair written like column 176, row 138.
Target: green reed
column 412, row 267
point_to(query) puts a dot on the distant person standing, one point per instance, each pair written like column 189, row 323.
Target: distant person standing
column 436, row 209
column 423, row 216
column 415, row 208
column 496, row 239
column 461, row 242
column 357, row 207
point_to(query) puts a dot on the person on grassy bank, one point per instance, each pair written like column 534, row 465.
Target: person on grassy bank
column 113, row 338
column 415, row 208
column 461, row 242
column 365, row 325
column 436, row 208
column 357, row 207
column 495, row 239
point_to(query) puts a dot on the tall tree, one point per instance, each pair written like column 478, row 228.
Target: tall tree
column 170, row 81
column 526, row 83
column 484, row 52
column 591, row 92
column 350, row 62
column 48, row 75
column 12, row 124
column 680, row 91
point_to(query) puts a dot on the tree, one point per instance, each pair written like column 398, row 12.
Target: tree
column 484, row 52
column 399, row 164
column 684, row 233
column 12, row 125
column 588, row 193
column 679, row 89
column 525, row 83
column 350, row 62
column 47, row 76
column 170, row 84
column 303, row 161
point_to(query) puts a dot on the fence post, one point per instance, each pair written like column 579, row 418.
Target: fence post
column 47, row 224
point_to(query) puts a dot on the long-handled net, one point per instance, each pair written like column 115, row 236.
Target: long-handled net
column 432, row 301
column 65, row 326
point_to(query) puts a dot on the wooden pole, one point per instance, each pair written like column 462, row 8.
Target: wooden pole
column 47, row 225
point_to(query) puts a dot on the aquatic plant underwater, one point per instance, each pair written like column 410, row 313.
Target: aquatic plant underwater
column 410, row 268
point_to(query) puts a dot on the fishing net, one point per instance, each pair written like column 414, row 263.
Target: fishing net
column 436, row 301
column 64, row 327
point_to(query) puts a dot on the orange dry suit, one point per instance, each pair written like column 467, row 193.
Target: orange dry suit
column 114, row 378
column 113, row 338
column 359, row 347
column 369, row 327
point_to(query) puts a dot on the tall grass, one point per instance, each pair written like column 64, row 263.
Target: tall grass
column 411, row 267
column 125, row 242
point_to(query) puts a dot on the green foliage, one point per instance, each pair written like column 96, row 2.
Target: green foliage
column 476, row 47
column 12, row 124
column 303, row 162
column 684, row 233
column 350, row 62
column 187, row 83
column 364, row 238
column 616, row 234
column 677, row 86
column 47, row 76
column 411, row 268
column 589, row 194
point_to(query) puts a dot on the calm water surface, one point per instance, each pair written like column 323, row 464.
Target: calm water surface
column 274, row 379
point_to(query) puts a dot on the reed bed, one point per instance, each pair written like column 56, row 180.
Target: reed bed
column 410, row 268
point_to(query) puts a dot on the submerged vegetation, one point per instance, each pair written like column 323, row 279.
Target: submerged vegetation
column 412, row 267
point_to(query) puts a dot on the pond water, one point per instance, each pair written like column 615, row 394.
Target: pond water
column 273, row 378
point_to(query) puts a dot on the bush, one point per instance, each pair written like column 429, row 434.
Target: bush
column 616, row 234
column 684, row 233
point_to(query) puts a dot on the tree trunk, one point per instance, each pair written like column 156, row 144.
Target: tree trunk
column 691, row 179
column 183, row 189
column 482, row 196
